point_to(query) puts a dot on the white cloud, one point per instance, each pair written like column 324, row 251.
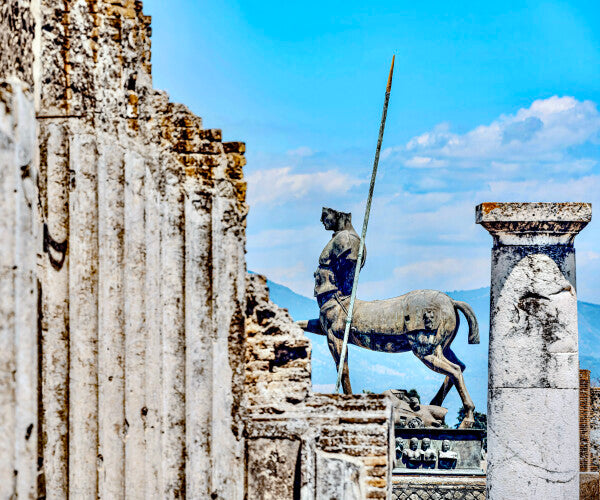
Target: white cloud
column 539, row 134
column 279, row 185
column 302, row 151
column 283, row 274
column 425, row 162
column 588, row 255
column 422, row 232
column 447, row 273
column 584, row 189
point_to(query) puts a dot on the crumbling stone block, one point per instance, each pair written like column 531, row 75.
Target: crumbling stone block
column 273, row 468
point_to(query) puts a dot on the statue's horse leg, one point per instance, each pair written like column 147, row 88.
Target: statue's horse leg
column 439, row 363
column 438, row 399
column 335, row 346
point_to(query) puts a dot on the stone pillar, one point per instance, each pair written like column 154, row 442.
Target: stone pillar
column 533, row 393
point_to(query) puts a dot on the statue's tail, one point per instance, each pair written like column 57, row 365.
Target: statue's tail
column 471, row 319
column 311, row 325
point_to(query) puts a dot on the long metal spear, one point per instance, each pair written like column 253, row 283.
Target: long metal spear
column 361, row 247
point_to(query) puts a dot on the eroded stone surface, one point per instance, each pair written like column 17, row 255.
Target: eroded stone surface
column 272, row 469
column 339, row 477
column 534, row 325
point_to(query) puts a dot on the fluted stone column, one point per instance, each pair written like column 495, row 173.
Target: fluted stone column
column 533, row 396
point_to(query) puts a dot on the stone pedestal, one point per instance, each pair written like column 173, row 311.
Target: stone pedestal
column 533, row 400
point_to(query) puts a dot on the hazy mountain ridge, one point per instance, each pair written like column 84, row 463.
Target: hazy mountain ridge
column 375, row 371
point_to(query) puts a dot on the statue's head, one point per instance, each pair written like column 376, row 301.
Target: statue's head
column 333, row 220
column 399, row 444
column 426, row 443
column 414, row 404
column 414, row 443
column 445, row 445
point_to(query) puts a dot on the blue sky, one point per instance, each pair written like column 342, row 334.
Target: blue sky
column 492, row 101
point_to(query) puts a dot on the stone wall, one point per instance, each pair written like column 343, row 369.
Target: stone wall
column 589, row 486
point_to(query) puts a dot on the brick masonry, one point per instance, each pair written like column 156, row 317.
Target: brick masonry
column 584, row 421
column 589, row 423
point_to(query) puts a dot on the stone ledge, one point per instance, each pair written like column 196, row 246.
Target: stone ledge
column 533, row 212
column 533, row 223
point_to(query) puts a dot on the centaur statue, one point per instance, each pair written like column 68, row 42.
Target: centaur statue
column 423, row 321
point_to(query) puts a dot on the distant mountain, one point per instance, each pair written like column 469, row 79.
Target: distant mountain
column 299, row 306
column 376, row 371
column 588, row 318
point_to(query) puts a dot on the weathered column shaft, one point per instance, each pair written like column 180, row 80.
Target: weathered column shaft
column 55, row 296
column 227, row 310
column 199, row 334
column 108, row 329
column 8, row 180
column 173, row 334
column 111, row 342
column 83, row 318
column 153, row 354
column 27, row 245
column 134, row 288
column 533, row 398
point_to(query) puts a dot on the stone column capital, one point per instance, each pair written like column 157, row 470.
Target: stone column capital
column 533, row 223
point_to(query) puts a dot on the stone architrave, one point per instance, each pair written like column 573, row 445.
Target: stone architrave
column 533, row 398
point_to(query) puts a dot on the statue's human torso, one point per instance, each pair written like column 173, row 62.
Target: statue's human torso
column 337, row 263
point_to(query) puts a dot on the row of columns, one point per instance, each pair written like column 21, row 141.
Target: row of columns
column 123, row 284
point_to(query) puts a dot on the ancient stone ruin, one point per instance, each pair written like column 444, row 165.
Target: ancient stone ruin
column 133, row 362
column 138, row 359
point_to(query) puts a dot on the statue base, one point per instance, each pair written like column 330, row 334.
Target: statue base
column 438, row 451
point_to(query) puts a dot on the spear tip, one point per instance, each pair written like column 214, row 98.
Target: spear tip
column 389, row 83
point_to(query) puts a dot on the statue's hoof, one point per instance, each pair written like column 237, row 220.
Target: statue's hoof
column 467, row 423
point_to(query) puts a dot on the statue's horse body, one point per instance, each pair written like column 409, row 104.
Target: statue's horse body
column 423, row 321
